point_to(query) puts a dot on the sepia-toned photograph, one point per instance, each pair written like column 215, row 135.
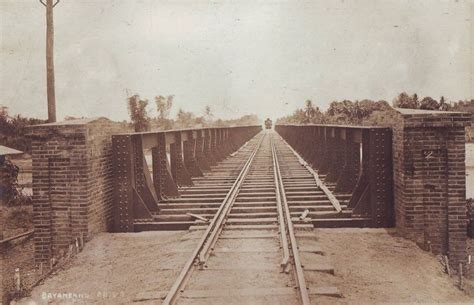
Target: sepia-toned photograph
column 236, row 152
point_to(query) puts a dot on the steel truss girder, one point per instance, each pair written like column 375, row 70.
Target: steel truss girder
column 356, row 159
column 177, row 156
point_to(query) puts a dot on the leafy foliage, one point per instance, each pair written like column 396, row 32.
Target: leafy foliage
column 138, row 113
column 13, row 130
column 208, row 115
column 463, row 106
column 345, row 112
column 249, row 119
column 10, row 190
column 403, row 100
column 367, row 112
column 184, row 119
column 164, row 105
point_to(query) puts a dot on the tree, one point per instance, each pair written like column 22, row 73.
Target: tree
column 429, row 103
column 403, row 100
column 3, row 110
column 245, row 120
column 345, row 112
column 464, row 106
column 163, row 106
column 11, row 191
column 309, row 110
column 13, row 130
column 443, row 105
column 208, row 112
column 138, row 113
column 185, row 119
column 208, row 116
column 386, row 118
column 310, row 114
column 342, row 112
column 50, row 59
column 298, row 117
column 200, row 122
column 416, row 103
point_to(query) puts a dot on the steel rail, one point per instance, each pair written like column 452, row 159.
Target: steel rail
column 204, row 254
column 334, row 201
column 299, row 273
column 281, row 217
column 186, row 272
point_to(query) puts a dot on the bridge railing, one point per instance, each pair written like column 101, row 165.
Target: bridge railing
column 176, row 155
column 356, row 160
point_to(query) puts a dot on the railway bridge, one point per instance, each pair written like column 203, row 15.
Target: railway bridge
column 255, row 195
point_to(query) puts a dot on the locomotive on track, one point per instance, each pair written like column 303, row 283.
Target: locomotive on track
column 268, row 124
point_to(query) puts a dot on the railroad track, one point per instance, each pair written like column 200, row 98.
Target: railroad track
column 259, row 248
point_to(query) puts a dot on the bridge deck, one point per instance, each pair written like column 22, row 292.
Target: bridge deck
column 208, row 192
column 245, row 263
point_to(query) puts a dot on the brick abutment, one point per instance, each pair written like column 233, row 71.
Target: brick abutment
column 72, row 183
column 430, row 180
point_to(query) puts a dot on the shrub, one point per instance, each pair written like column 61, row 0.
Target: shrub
column 9, row 188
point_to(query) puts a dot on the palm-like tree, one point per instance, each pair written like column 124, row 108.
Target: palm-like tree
column 309, row 110
column 163, row 105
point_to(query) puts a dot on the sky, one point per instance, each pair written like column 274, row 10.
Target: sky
column 238, row 57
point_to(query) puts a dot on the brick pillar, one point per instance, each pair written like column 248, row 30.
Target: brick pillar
column 72, row 182
column 429, row 179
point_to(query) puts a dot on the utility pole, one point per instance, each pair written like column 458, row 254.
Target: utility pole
column 50, row 59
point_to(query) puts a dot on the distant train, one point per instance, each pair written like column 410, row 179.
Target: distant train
column 268, row 124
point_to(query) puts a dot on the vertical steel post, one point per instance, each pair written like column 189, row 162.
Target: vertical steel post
column 178, row 170
column 124, row 181
column 380, row 177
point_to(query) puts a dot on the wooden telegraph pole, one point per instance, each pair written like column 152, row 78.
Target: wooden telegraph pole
column 50, row 59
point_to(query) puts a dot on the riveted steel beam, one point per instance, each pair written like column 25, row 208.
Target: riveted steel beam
column 356, row 159
column 176, row 157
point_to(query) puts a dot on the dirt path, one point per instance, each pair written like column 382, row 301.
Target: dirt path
column 377, row 266
column 250, row 264
column 114, row 268
column 371, row 266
